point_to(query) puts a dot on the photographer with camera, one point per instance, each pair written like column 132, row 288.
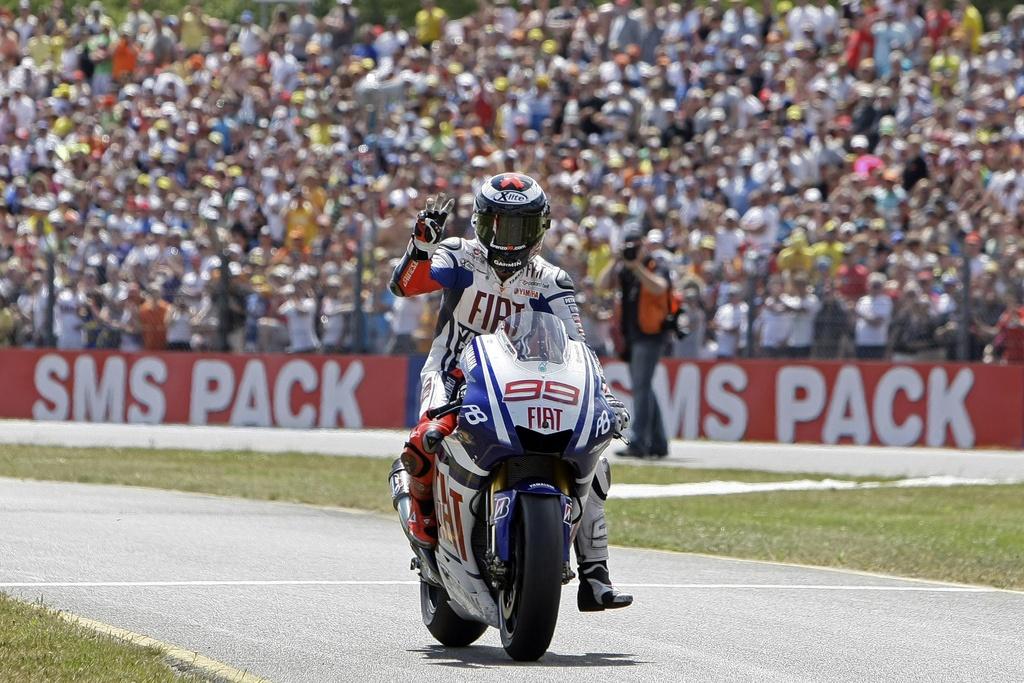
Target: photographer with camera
column 647, row 315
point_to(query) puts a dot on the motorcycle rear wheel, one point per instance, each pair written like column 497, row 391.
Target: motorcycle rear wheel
column 441, row 620
column 529, row 607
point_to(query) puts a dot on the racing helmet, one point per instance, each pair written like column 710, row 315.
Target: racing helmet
column 510, row 214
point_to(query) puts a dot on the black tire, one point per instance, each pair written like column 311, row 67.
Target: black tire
column 528, row 611
column 441, row 620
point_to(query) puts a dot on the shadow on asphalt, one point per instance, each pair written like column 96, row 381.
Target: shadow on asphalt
column 487, row 657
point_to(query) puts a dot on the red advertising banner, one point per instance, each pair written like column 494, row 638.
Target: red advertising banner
column 950, row 405
column 254, row 390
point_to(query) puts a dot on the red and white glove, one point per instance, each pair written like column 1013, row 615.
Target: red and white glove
column 429, row 229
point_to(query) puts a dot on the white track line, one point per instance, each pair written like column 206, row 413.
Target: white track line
column 808, row 587
column 724, row 488
column 134, row 584
column 684, row 586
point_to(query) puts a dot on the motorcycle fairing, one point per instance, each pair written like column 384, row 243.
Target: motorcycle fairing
column 491, row 421
column 470, row 596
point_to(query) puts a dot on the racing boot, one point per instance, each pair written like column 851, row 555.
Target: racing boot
column 418, row 460
column 596, row 592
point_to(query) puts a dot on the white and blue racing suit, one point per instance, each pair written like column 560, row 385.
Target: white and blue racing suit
column 474, row 301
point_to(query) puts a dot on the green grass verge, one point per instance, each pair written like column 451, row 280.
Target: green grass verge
column 38, row 645
column 302, row 478
column 967, row 534
column 970, row 534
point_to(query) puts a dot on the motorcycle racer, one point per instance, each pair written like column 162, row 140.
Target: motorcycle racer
column 484, row 280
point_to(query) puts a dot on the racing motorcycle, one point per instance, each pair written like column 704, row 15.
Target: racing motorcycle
column 511, row 484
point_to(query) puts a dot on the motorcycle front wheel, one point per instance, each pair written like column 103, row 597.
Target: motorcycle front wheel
column 441, row 620
column 529, row 606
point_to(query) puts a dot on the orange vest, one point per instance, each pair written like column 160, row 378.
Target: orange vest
column 653, row 309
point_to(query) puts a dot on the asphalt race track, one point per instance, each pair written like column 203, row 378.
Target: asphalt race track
column 297, row 593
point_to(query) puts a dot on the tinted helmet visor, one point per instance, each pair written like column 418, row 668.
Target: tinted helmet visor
column 509, row 240
column 510, row 233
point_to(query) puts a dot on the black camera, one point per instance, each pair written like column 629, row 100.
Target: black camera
column 629, row 252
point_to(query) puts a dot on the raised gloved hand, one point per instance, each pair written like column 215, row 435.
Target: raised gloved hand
column 429, row 229
column 621, row 414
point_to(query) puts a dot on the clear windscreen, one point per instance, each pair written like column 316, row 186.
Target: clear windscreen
column 536, row 336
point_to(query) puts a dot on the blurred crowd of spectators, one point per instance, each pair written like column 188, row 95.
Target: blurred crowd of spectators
column 820, row 180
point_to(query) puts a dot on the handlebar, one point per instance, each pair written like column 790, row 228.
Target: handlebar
column 446, row 409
